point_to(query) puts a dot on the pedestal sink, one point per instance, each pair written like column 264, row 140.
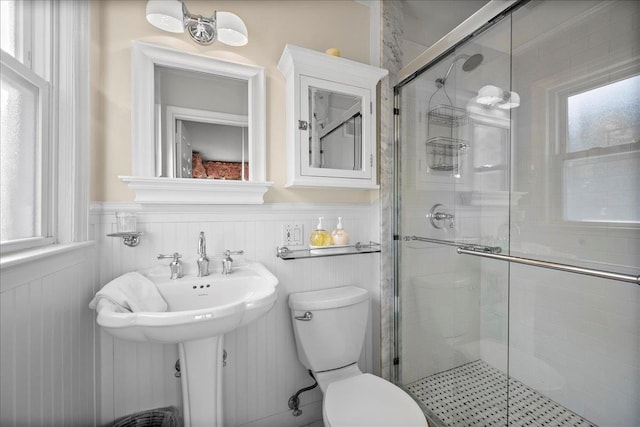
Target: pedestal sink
column 201, row 310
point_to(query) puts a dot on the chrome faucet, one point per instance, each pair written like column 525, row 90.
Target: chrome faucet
column 203, row 260
column 175, row 265
column 227, row 262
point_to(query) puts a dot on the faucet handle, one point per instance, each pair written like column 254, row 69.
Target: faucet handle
column 227, row 262
column 174, row 256
column 175, row 265
column 228, row 253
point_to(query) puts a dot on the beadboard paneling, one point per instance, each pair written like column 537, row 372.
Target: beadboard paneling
column 262, row 369
column 47, row 342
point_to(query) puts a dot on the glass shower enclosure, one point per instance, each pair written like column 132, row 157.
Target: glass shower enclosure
column 517, row 177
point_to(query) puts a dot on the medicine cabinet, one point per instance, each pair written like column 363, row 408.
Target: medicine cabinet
column 330, row 119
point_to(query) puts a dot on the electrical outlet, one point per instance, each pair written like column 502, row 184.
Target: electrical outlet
column 293, row 234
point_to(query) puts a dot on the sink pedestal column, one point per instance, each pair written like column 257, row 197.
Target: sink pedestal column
column 201, row 379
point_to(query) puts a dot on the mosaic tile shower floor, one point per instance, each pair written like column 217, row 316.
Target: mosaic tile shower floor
column 474, row 394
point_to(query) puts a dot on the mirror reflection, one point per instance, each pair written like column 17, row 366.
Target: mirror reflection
column 201, row 125
column 211, row 150
column 335, row 137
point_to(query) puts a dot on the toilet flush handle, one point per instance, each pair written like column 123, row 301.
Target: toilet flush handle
column 307, row 316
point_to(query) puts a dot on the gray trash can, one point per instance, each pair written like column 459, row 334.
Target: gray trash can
column 160, row 417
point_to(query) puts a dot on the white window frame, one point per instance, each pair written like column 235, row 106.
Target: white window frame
column 58, row 52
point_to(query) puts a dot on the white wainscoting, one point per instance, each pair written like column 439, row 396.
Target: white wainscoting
column 262, row 369
column 47, row 359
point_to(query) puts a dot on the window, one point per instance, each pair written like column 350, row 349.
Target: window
column 24, row 143
column 24, row 111
column 601, row 153
column 37, row 131
column 14, row 38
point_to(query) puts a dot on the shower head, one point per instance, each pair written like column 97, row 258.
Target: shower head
column 470, row 64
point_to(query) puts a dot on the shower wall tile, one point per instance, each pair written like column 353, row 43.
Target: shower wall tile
column 580, row 336
column 442, row 310
column 262, row 369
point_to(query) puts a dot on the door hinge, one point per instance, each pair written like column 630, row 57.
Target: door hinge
column 396, row 361
column 370, row 107
column 396, row 237
column 370, row 160
column 302, row 125
column 396, row 111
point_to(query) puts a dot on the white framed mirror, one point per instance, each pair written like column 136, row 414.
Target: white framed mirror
column 210, row 109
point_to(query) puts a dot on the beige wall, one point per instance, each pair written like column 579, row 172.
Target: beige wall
column 317, row 24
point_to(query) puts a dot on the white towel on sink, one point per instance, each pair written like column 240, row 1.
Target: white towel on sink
column 131, row 292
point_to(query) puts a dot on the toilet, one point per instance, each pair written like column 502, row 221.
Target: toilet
column 329, row 327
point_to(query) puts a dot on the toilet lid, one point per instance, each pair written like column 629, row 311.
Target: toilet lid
column 367, row 400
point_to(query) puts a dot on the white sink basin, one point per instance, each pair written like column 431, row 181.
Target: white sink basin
column 198, row 307
column 200, row 311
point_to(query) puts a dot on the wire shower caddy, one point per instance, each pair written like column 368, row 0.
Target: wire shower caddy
column 444, row 152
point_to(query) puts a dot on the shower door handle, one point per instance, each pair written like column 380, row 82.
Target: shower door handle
column 306, row 317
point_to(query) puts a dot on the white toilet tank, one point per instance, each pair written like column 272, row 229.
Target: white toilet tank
column 333, row 335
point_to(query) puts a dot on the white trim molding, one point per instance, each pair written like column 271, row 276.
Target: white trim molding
column 18, row 268
column 73, row 109
column 188, row 191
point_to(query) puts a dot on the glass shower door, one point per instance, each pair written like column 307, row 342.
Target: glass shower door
column 518, row 222
column 453, row 180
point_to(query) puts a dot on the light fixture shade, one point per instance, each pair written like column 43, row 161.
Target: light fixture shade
column 512, row 102
column 490, row 95
column 166, row 15
column 231, row 29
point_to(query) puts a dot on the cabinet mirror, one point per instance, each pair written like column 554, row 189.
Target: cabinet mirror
column 198, row 128
column 338, row 125
column 335, row 136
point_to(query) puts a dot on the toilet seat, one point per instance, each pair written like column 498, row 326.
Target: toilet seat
column 368, row 401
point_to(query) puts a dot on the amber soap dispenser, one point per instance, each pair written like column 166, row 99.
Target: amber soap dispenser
column 320, row 236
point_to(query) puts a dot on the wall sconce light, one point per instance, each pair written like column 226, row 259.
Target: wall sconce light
column 492, row 96
column 173, row 16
